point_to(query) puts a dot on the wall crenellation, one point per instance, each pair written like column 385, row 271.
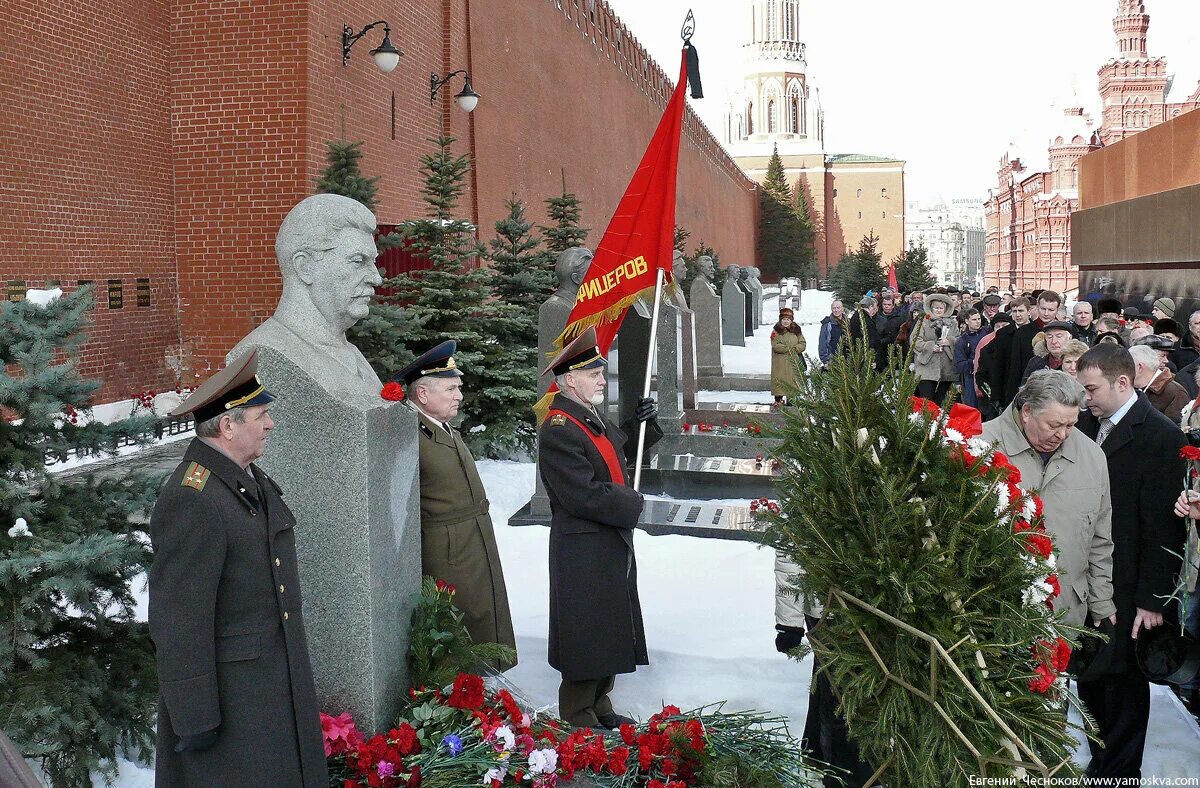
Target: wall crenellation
column 600, row 24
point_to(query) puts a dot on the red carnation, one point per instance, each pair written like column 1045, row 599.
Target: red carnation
column 668, row 767
column 440, row 585
column 1190, row 453
column 405, row 738
column 1043, row 679
column 628, row 733
column 467, row 692
column 618, row 760
column 1062, row 655
column 1000, row 460
column 1039, row 544
column 414, row 779
column 1056, row 587
column 392, row 391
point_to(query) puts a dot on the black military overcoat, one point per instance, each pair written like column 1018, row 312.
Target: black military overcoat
column 595, row 616
column 226, row 621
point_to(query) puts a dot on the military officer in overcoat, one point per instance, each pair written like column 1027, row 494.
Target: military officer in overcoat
column 458, row 542
column 237, row 703
column 595, row 617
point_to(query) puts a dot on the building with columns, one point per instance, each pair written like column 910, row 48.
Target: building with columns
column 954, row 235
column 1028, row 242
column 848, row 196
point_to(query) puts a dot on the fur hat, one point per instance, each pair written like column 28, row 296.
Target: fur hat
column 785, row 312
column 1108, row 306
column 939, row 298
column 1167, row 326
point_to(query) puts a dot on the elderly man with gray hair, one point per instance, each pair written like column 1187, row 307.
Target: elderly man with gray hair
column 1068, row 470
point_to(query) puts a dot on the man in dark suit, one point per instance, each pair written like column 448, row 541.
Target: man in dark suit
column 1146, row 473
column 595, row 617
column 237, row 701
column 992, row 374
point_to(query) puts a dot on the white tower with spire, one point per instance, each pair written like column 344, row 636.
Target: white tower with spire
column 777, row 104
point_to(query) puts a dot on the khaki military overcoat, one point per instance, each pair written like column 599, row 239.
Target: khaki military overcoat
column 458, row 542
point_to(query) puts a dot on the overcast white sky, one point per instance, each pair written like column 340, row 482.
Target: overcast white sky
column 944, row 85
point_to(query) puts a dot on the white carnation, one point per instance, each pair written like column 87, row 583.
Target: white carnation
column 978, row 446
column 543, row 761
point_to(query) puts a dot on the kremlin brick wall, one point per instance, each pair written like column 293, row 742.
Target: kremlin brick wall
column 166, row 141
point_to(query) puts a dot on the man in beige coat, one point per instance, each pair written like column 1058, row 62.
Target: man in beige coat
column 1068, row 470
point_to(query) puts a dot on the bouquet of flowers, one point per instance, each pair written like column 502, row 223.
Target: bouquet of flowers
column 938, row 576
column 465, row 735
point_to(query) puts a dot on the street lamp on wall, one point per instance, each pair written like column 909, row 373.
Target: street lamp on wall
column 387, row 55
column 466, row 99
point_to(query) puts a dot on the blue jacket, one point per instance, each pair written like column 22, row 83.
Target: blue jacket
column 831, row 338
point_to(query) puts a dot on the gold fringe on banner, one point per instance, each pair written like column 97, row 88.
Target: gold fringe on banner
column 542, row 407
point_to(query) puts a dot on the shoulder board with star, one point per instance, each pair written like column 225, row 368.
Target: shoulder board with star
column 196, row 476
column 428, row 433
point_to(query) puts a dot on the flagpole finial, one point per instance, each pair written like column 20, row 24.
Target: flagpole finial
column 689, row 27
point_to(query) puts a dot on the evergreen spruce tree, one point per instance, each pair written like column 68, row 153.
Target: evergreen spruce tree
column 679, row 242
column 519, row 284
column 918, row 518
column 859, row 271
column 912, row 269
column 564, row 233
column 77, row 675
column 383, row 334
column 785, row 232
column 448, row 298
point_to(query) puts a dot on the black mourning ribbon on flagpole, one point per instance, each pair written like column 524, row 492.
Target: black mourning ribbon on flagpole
column 693, row 57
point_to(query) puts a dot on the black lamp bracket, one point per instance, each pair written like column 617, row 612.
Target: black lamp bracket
column 436, row 83
column 349, row 37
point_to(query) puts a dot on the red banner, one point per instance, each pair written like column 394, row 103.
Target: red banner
column 639, row 238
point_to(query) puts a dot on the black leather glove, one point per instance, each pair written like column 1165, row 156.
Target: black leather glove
column 787, row 638
column 198, row 742
column 647, row 410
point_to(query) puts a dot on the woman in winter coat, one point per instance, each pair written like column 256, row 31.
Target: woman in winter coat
column 787, row 347
column 933, row 339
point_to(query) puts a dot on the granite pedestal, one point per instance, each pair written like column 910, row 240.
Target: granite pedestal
column 350, row 476
column 706, row 305
column 733, row 314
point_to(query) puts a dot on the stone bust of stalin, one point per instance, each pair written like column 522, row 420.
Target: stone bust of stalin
column 326, row 254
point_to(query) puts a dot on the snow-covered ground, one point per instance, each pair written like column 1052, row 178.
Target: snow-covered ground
column 709, row 608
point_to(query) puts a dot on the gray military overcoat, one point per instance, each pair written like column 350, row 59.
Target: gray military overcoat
column 595, row 615
column 226, row 620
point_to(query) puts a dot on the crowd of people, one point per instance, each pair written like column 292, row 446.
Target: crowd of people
column 1093, row 403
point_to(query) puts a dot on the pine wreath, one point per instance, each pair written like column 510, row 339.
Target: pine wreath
column 938, row 578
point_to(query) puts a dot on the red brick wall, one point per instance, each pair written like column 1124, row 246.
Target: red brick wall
column 85, row 171
column 177, row 135
column 239, row 135
column 568, row 89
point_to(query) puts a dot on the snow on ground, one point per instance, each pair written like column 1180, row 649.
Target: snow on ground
column 708, row 606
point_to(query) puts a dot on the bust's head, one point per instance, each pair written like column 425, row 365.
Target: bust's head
column 678, row 266
column 571, row 266
column 705, row 267
column 753, row 273
column 733, row 271
column 326, row 253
